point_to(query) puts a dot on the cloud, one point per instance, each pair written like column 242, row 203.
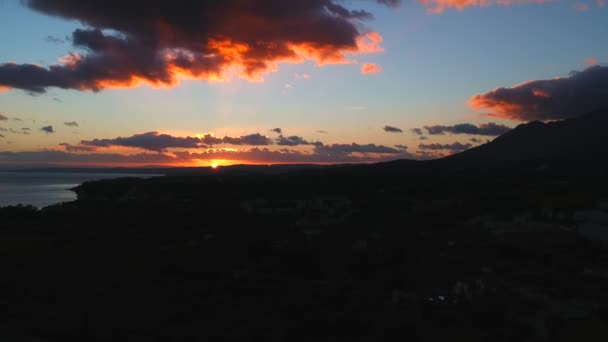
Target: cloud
column 391, row 129
column 347, row 149
column 370, row 69
column 295, row 140
column 401, row 147
column 277, row 130
column 152, row 141
column 601, row 3
column 54, row 40
column 337, row 153
column 265, row 155
column 489, row 129
column 453, row 148
column 417, row 131
column 155, row 141
column 71, row 124
column 14, row 131
column 48, row 129
column 250, row 140
column 559, row 98
column 130, row 43
column 427, row 155
column 439, row 6
column 3, row 118
column 78, row 148
column 591, row 61
column 390, row 3
column 75, row 155
column 322, row 132
column 581, row 7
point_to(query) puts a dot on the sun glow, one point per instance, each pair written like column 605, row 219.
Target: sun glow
column 214, row 165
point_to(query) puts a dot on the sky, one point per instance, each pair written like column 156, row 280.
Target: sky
column 189, row 83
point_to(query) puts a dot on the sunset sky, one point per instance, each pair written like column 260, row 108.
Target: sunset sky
column 178, row 82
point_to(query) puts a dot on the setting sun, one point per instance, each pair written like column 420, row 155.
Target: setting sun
column 214, row 165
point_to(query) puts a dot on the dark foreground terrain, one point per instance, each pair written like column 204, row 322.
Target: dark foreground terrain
column 447, row 250
column 406, row 250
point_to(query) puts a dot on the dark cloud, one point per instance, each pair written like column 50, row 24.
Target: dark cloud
column 54, row 40
column 401, row 147
column 475, row 140
column 390, row 3
column 347, row 149
column 250, row 140
column 258, row 155
column 322, row 132
column 559, row 98
column 152, row 141
column 1, row 136
column 14, row 131
column 155, row 141
column 277, row 130
column 210, row 140
column 391, row 129
column 489, row 129
column 157, row 42
column 48, row 129
column 417, row 131
column 283, row 156
column 295, row 140
column 453, row 148
column 3, row 118
column 337, row 153
column 428, row 155
column 71, row 123
column 78, row 148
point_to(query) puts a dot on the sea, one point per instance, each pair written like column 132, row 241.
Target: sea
column 41, row 189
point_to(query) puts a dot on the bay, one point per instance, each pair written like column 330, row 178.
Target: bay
column 41, row 189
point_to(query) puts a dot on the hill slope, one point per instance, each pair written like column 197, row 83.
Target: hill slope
column 582, row 138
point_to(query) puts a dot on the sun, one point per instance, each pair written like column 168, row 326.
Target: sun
column 214, row 165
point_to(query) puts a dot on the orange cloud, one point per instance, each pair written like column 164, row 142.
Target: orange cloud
column 439, row 6
column 167, row 45
column 559, row 98
column 591, row 61
column 370, row 69
column 369, row 43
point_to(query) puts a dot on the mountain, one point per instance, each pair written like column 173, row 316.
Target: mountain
column 584, row 138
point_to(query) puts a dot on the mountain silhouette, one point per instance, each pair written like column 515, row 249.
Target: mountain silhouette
column 581, row 138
